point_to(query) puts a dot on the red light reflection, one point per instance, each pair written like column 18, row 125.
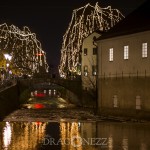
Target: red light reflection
column 38, row 106
column 40, row 95
column 38, row 122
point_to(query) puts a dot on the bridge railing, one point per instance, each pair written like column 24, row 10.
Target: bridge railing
column 7, row 83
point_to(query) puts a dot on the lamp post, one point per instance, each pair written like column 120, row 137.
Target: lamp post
column 8, row 58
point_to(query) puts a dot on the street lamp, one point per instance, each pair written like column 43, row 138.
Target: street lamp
column 7, row 57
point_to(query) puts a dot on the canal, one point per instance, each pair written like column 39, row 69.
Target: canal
column 52, row 123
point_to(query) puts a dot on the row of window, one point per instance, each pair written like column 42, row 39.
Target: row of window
column 126, row 52
column 86, row 51
column 94, row 70
column 137, row 104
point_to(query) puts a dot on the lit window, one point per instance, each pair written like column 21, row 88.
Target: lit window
column 85, row 70
column 111, row 54
column 144, row 50
column 126, row 52
column 94, row 70
column 94, row 51
column 85, row 51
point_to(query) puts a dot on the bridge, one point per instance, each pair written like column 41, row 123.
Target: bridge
column 71, row 85
column 74, row 86
column 66, row 88
column 11, row 90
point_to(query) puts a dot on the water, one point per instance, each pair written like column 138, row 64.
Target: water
column 51, row 123
column 74, row 136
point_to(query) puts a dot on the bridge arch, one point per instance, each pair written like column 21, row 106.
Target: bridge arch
column 67, row 89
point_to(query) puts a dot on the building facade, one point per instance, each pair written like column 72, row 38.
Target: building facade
column 89, row 62
column 125, row 56
column 124, row 67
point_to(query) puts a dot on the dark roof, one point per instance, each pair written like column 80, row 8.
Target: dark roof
column 137, row 21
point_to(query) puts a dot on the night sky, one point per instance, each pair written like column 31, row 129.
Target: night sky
column 50, row 19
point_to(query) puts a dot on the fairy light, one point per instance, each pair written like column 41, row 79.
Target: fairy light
column 23, row 47
column 84, row 21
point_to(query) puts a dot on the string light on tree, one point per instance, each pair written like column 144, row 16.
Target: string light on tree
column 23, row 46
column 84, row 21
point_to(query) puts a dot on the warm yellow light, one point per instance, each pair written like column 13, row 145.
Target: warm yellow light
column 82, row 24
column 24, row 46
column 7, row 135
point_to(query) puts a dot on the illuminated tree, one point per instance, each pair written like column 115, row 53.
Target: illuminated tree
column 84, row 21
column 25, row 49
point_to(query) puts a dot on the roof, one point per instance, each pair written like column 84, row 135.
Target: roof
column 137, row 21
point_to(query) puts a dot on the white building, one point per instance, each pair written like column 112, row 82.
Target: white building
column 89, row 62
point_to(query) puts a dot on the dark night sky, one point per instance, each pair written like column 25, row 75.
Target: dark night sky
column 50, row 19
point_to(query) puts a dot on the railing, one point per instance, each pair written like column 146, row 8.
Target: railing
column 122, row 74
column 7, row 83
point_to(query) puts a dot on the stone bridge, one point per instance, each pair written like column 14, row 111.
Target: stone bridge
column 71, row 85
column 68, row 88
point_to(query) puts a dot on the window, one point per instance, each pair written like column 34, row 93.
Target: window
column 111, row 54
column 94, row 70
column 95, row 51
column 138, row 102
column 85, row 51
column 126, row 52
column 85, row 70
column 115, row 99
column 144, row 50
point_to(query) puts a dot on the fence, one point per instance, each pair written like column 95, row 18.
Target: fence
column 122, row 74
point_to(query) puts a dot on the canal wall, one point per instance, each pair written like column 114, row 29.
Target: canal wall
column 127, row 96
column 9, row 100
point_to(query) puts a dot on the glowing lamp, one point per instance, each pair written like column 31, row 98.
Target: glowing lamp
column 7, row 56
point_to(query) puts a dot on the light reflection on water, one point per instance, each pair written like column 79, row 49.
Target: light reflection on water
column 7, row 135
column 74, row 135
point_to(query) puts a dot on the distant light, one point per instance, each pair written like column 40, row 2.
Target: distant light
column 7, row 65
column 7, row 56
column 62, row 75
column 40, row 95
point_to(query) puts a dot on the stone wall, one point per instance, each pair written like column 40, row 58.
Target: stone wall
column 9, row 100
column 124, row 96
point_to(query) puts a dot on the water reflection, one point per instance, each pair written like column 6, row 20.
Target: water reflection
column 125, row 144
column 22, row 135
column 74, row 135
column 110, row 142
column 70, row 133
column 7, row 135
